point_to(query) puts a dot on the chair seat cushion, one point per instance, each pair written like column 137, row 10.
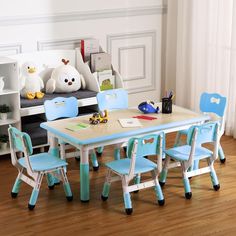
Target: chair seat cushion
column 43, row 161
column 182, row 153
column 122, row 166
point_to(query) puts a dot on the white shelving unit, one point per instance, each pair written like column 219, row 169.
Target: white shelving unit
column 9, row 96
column 25, row 117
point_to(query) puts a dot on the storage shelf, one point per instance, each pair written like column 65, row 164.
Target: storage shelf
column 8, row 91
column 21, row 115
column 5, row 151
column 8, row 122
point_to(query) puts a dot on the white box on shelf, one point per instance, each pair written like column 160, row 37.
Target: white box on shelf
column 46, row 61
column 91, row 79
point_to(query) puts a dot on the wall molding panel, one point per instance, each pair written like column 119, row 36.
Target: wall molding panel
column 134, row 35
column 85, row 15
column 138, row 67
column 10, row 49
column 142, row 64
column 70, row 43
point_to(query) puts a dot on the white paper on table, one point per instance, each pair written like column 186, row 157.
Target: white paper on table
column 130, row 122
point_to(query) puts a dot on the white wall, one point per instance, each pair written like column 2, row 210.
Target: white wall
column 131, row 30
column 171, row 43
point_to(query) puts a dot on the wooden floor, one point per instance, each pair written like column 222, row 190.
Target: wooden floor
column 207, row 213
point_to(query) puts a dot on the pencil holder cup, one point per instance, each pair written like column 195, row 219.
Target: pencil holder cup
column 166, row 105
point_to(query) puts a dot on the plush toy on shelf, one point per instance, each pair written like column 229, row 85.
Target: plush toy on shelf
column 65, row 79
column 31, row 82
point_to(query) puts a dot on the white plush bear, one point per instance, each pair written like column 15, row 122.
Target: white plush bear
column 65, row 79
column 31, row 82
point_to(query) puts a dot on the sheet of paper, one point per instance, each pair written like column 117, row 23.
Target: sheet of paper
column 77, row 126
column 130, row 122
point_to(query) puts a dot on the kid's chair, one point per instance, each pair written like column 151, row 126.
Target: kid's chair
column 35, row 166
column 59, row 108
column 214, row 105
column 112, row 100
column 187, row 154
column 136, row 164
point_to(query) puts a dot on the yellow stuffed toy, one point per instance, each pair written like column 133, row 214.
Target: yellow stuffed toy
column 31, row 82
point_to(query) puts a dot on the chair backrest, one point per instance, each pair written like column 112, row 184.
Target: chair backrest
column 147, row 145
column 20, row 142
column 206, row 133
column 213, row 103
column 112, row 99
column 61, row 107
column 216, row 104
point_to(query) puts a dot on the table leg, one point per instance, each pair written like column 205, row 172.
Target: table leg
column 84, row 176
column 53, row 150
column 117, row 151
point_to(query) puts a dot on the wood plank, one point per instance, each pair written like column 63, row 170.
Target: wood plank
column 207, row 213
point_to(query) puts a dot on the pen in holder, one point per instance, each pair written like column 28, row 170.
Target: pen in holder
column 166, row 105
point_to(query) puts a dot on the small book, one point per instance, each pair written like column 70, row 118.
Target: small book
column 100, row 61
column 89, row 46
column 105, row 74
column 77, row 126
column 130, row 122
column 106, row 80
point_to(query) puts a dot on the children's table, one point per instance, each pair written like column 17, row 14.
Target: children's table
column 112, row 132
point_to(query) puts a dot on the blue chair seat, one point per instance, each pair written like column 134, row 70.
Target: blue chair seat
column 182, row 153
column 43, row 161
column 122, row 166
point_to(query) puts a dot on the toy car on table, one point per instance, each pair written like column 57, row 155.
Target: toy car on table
column 99, row 117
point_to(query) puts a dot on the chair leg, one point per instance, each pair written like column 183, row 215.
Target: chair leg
column 62, row 151
column 117, row 153
column 94, row 160
column 164, row 148
column 16, row 187
column 99, row 151
column 187, row 187
column 158, row 190
column 106, row 186
column 137, row 180
column 177, row 139
column 195, row 164
column 127, row 197
column 55, row 152
column 50, row 181
column 163, row 174
column 214, row 178
column 66, row 185
column 128, row 203
column 35, row 192
column 221, row 154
